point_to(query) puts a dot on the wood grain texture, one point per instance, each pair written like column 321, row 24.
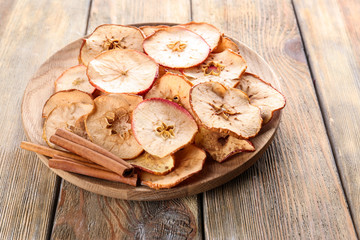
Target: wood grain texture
column 294, row 191
column 41, row 87
column 27, row 38
column 332, row 40
column 175, row 219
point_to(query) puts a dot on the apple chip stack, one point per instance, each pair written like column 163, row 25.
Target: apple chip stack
column 160, row 96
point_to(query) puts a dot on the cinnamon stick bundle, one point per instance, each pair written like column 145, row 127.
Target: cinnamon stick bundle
column 88, row 169
column 92, row 152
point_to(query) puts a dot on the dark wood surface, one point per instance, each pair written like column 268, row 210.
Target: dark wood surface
column 306, row 185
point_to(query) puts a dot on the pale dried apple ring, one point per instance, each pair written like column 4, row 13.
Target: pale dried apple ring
column 188, row 161
column 172, row 87
column 207, row 31
column 221, row 146
column 225, row 109
column 226, row 43
column 110, row 36
column 64, row 116
column 162, row 127
column 262, row 95
column 153, row 164
column 109, row 125
column 148, row 30
column 74, row 78
column 122, row 71
column 176, row 47
column 65, row 97
column 225, row 67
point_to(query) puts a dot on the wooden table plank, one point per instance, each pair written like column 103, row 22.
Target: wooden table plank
column 101, row 217
column 29, row 33
column 294, row 190
column 332, row 41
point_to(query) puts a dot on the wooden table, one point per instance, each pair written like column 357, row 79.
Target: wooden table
column 306, row 185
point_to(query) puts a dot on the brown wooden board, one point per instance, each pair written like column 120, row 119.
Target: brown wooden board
column 30, row 31
column 41, row 87
column 294, row 191
column 332, row 40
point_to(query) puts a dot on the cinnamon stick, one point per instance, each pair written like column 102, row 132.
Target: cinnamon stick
column 50, row 152
column 80, row 168
column 88, row 164
column 92, row 155
column 82, row 141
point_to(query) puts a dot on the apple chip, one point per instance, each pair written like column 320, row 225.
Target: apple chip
column 225, row 67
column 207, row 31
column 154, row 165
column 74, row 78
column 110, row 124
column 162, row 127
column 148, row 30
column 262, row 95
column 188, row 161
column 221, row 146
column 225, row 110
column 107, row 37
column 122, row 71
column 225, row 43
column 176, row 47
column 64, row 116
column 65, row 97
column 172, row 87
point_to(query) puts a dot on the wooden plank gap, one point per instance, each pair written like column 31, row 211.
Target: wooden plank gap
column 88, row 18
column 58, row 183
column 327, row 128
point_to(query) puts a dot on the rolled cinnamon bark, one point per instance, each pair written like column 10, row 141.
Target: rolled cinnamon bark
column 80, row 168
column 93, row 156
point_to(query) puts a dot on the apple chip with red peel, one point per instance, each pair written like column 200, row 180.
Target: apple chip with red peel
column 110, row 36
column 207, row 31
column 148, row 30
column 64, row 116
column 74, row 78
column 153, row 164
column 188, row 161
column 176, row 47
column 226, row 110
column 109, row 125
column 66, row 97
column 262, row 95
column 225, row 67
column 172, row 87
column 122, row 71
column 226, row 43
column 221, row 146
column 162, row 127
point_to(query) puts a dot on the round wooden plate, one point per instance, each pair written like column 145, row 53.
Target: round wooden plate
column 214, row 174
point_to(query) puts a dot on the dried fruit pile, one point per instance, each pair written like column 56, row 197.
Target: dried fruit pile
column 158, row 96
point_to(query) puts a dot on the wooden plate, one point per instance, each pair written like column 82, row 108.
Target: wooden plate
column 214, row 174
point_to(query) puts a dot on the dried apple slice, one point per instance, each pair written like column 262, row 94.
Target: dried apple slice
column 225, row 67
column 176, row 47
column 64, row 116
column 154, row 165
column 107, row 37
column 148, row 30
column 262, row 95
column 162, row 127
column 188, row 161
column 122, row 71
column 65, row 97
column 226, row 43
column 110, row 124
column 225, row 110
column 207, row 31
column 172, row 87
column 221, row 146
column 74, row 78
